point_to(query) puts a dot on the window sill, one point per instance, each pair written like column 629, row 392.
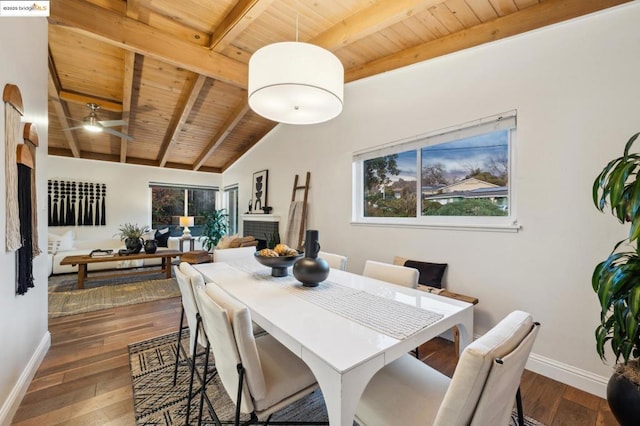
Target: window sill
column 485, row 227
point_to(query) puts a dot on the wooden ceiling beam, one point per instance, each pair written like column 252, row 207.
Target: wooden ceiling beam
column 381, row 15
column 129, row 34
column 61, row 152
column 61, row 109
column 182, row 115
column 236, row 21
column 82, row 98
column 127, row 95
column 232, row 121
column 543, row 14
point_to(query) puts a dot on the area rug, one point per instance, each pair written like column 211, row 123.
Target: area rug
column 158, row 402
column 98, row 294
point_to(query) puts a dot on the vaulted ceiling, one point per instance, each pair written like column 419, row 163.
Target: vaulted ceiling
column 175, row 71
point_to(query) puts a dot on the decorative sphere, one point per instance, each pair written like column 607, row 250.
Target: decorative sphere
column 311, row 271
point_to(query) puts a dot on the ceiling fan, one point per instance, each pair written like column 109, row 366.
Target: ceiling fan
column 93, row 124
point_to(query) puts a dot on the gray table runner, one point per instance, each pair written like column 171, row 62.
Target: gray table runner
column 386, row 316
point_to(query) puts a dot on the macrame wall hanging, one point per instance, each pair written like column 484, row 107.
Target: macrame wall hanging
column 73, row 203
column 21, row 216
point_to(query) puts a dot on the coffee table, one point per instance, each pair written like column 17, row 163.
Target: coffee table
column 83, row 260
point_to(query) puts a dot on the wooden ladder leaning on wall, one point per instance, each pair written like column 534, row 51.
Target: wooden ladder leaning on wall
column 296, row 188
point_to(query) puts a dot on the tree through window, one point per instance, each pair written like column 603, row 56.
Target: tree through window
column 462, row 172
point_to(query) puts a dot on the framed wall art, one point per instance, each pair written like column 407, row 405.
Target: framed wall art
column 259, row 191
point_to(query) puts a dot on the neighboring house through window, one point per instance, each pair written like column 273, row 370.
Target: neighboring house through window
column 457, row 176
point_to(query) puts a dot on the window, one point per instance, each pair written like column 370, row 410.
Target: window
column 459, row 176
column 169, row 202
column 231, row 204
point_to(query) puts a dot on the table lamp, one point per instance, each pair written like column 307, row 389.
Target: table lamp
column 186, row 221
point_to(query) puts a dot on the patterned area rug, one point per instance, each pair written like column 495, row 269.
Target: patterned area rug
column 158, row 402
column 98, row 294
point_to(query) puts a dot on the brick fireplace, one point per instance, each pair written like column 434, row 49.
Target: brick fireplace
column 260, row 226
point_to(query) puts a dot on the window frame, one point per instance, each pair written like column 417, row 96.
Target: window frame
column 233, row 219
column 505, row 121
column 185, row 188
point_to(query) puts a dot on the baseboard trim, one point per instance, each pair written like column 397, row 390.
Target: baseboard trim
column 569, row 375
column 10, row 406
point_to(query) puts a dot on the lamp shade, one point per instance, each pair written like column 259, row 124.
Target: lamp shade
column 295, row 83
column 186, row 220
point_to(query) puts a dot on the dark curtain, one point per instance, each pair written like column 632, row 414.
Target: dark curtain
column 24, row 256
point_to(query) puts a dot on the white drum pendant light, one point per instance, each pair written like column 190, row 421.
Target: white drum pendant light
column 295, row 83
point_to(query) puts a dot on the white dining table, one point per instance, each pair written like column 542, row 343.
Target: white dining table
column 343, row 352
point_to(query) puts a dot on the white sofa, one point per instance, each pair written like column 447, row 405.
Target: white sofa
column 61, row 246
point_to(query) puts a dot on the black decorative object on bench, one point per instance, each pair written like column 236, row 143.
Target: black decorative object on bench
column 150, row 246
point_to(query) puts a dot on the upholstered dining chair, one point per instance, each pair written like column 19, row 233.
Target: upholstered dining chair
column 190, row 312
column 197, row 280
column 335, row 261
column 400, row 275
column 196, row 335
column 481, row 391
column 259, row 374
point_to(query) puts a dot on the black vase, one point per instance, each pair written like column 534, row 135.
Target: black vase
column 624, row 399
column 150, row 246
column 134, row 245
column 311, row 269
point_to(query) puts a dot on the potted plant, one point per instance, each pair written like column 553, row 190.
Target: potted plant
column 131, row 234
column 216, row 225
column 616, row 281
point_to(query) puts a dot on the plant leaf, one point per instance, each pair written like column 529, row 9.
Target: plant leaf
column 627, row 147
column 634, row 301
column 617, row 180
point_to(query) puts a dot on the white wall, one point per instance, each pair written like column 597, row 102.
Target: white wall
column 128, row 194
column 23, row 319
column 575, row 87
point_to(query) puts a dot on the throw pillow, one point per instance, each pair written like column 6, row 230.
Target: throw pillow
column 430, row 273
column 162, row 237
column 225, row 241
column 151, row 235
column 52, row 245
column 62, row 242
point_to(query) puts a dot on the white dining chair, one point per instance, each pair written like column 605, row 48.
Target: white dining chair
column 400, row 275
column 259, row 374
column 335, row 261
column 481, row 391
column 229, row 254
column 189, row 310
column 196, row 334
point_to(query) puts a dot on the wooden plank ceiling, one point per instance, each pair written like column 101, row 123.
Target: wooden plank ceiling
column 175, row 71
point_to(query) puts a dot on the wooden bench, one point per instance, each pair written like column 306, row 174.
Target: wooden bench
column 83, row 260
column 446, row 293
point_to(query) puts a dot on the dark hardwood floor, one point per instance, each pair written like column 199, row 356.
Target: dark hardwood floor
column 85, row 377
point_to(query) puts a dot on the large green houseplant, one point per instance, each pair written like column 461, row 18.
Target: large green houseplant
column 616, row 280
column 216, row 225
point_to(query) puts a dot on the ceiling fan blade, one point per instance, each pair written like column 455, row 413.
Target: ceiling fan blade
column 118, row 134
column 112, row 123
column 74, row 128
